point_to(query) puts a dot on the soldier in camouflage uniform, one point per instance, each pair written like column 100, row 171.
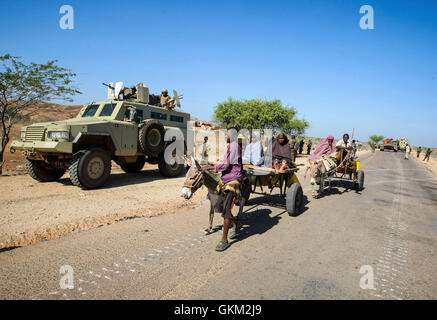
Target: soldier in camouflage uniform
column 419, row 150
column 293, row 144
column 166, row 101
column 296, row 149
column 427, row 154
column 309, row 144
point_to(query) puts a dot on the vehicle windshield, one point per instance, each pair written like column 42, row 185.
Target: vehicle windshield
column 107, row 110
column 90, row 111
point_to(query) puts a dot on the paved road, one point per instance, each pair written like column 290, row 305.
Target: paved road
column 390, row 226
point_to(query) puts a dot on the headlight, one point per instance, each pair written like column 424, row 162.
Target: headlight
column 23, row 135
column 55, row 135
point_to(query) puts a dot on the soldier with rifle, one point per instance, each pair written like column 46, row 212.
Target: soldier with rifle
column 293, row 144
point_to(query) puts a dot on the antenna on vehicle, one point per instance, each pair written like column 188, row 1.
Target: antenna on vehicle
column 177, row 98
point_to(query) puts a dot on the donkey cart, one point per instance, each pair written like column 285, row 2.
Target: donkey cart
column 328, row 169
column 286, row 181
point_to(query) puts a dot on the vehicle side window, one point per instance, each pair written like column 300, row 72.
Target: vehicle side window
column 107, row 110
column 139, row 115
column 177, row 118
column 158, row 115
column 90, row 111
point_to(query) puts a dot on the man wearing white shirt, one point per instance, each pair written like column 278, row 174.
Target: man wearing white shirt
column 342, row 147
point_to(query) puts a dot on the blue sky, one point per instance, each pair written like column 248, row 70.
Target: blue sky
column 309, row 54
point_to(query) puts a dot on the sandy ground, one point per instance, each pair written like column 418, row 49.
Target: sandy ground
column 31, row 211
column 431, row 165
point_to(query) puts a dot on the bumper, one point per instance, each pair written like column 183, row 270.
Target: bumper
column 29, row 147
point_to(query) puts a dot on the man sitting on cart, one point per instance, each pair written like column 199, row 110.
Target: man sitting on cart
column 344, row 149
column 232, row 177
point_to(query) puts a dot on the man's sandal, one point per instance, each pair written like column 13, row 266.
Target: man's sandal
column 222, row 246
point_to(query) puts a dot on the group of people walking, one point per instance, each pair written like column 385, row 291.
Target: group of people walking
column 418, row 151
column 427, row 153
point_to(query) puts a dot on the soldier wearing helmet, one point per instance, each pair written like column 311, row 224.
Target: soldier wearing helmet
column 166, row 101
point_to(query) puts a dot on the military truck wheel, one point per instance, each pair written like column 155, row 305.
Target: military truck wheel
column 151, row 137
column 168, row 170
column 41, row 172
column 134, row 167
column 90, row 168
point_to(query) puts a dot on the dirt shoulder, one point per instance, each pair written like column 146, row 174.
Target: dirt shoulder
column 431, row 165
column 31, row 211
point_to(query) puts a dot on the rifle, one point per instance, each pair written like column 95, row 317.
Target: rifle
column 109, row 86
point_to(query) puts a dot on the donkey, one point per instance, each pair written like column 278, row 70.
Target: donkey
column 320, row 170
column 195, row 179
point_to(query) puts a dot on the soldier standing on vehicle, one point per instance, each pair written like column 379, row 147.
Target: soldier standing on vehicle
column 427, row 154
column 407, row 151
column 166, row 101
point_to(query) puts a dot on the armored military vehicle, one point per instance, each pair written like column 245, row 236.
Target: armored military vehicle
column 403, row 143
column 389, row 144
column 131, row 128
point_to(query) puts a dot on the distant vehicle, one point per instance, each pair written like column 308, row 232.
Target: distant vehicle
column 389, row 144
column 129, row 130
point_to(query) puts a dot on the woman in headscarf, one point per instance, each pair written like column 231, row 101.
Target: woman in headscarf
column 254, row 154
column 326, row 147
column 281, row 153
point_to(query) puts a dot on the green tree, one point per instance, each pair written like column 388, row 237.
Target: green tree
column 296, row 127
column 375, row 138
column 24, row 86
column 258, row 114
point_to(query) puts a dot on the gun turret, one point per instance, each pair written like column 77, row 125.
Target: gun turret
column 108, row 85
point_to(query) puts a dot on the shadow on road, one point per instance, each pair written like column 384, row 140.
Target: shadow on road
column 339, row 187
column 276, row 201
column 257, row 222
